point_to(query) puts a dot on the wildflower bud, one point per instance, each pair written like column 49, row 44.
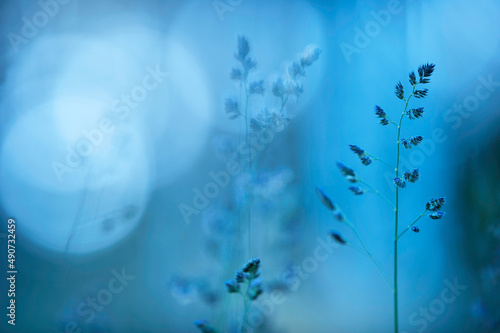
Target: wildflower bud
column 337, row 237
column 204, row 326
column 415, row 140
column 236, row 74
column 421, row 93
column 415, row 228
column 243, row 48
column 231, row 108
column 415, row 113
column 338, row 216
column 251, row 266
column 239, row 276
column 232, row 286
column 425, row 71
column 256, row 87
column 399, row 91
column 366, row 160
column 435, row 204
column 406, row 144
column 356, row 190
column 278, row 88
column 411, row 141
column 309, row 56
column 382, row 115
column 296, row 70
column 413, row 79
column 248, row 64
column 325, row 200
column 255, row 289
column 358, row 151
column 400, row 183
column 436, row 215
column 347, row 172
column 412, row 175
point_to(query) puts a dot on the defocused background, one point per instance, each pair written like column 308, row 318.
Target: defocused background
column 117, row 144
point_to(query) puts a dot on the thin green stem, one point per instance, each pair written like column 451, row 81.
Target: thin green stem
column 249, row 140
column 375, row 191
column 396, row 324
column 369, row 253
column 411, row 225
column 390, row 120
column 245, row 315
column 375, row 158
column 246, row 301
column 358, row 248
column 263, row 154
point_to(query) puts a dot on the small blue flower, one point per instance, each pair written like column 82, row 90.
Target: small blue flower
column 412, row 141
column 243, row 48
column 425, row 71
column 310, row 56
column 358, row 151
column 256, row 87
column 296, row 70
column 236, row 74
column 363, row 156
column 294, row 88
column 435, row 204
column 412, row 175
column 356, row 190
column 252, row 266
column 240, row 276
column 255, row 289
column 325, row 200
column 337, row 237
column 232, row 286
column 406, row 144
column 399, row 91
column 400, row 183
column 231, row 108
column 278, row 88
column 436, row 215
column 249, row 64
column 338, row 216
column 415, row 140
column 415, row 228
column 421, row 93
column 204, row 326
column 415, row 113
column 347, row 172
column 382, row 115
column 413, row 79
column 366, row 160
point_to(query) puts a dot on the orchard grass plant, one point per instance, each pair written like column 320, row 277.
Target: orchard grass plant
column 259, row 107
column 402, row 178
column 269, row 116
column 248, row 284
